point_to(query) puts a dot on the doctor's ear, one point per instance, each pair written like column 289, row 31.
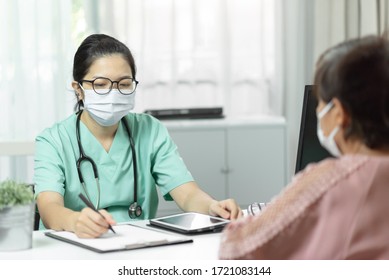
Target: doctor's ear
column 78, row 90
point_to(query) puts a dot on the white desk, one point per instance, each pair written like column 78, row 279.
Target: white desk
column 204, row 247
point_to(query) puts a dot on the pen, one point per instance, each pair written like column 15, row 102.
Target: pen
column 90, row 205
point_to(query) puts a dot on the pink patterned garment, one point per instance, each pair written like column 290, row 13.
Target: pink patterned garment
column 336, row 209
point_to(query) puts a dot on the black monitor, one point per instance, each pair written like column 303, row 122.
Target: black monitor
column 309, row 148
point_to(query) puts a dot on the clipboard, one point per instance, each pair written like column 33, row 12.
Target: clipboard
column 127, row 237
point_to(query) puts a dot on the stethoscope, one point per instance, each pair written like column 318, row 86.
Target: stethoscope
column 134, row 210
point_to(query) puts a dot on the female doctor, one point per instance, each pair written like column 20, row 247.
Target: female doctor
column 113, row 157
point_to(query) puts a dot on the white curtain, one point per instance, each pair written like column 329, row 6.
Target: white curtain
column 309, row 27
column 189, row 53
column 250, row 56
column 337, row 20
column 35, row 66
column 198, row 53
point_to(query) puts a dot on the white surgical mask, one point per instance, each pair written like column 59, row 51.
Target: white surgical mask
column 108, row 109
column 329, row 141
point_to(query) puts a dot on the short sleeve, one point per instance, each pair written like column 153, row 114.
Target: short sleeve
column 48, row 165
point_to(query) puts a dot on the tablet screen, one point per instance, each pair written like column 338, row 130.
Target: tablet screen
column 190, row 222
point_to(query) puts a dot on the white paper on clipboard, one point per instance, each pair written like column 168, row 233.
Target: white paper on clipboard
column 127, row 237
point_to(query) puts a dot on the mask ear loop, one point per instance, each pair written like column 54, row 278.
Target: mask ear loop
column 80, row 101
column 325, row 110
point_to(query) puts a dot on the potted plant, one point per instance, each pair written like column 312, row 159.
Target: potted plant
column 17, row 208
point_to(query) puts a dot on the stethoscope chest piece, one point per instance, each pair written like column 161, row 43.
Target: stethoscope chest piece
column 134, row 210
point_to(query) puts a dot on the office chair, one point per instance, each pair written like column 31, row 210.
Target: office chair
column 37, row 217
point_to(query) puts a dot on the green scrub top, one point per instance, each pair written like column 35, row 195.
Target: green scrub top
column 158, row 160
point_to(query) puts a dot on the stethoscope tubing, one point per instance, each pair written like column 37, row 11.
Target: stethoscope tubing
column 84, row 158
column 135, row 167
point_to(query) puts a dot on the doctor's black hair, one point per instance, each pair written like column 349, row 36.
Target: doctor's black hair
column 356, row 72
column 94, row 47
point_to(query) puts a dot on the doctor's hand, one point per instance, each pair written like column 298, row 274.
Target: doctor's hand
column 90, row 224
column 227, row 209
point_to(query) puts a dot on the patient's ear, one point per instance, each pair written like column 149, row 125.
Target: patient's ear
column 78, row 90
column 342, row 117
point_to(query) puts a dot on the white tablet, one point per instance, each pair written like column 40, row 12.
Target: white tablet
column 190, row 222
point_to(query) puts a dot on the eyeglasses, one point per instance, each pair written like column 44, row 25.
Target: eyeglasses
column 255, row 208
column 102, row 85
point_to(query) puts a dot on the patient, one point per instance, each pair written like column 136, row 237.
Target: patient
column 338, row 208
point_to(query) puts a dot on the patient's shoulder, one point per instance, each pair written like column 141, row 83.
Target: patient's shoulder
column 326, row 173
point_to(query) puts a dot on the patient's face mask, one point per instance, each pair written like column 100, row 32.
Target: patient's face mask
column 328, row 142
column 110, row 108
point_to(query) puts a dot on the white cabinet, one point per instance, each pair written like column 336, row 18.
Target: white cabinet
column 257, row 163
column 241, row 159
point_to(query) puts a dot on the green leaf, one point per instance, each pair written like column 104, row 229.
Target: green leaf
column 14, row 193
